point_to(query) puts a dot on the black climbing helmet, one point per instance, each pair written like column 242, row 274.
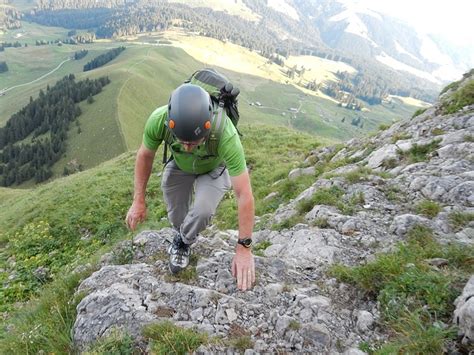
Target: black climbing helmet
column 189, row 113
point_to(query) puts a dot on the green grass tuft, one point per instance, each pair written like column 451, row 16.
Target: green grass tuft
column 167, row 338
column 288, row 223
column 397, row 136
column 437, row 131
column 419, row 152
column 321, row 222
column 468, row 138
column 329, row 196
column 459, row 220
column 115, row 343
column 360, row 174
column 242, row 343
column 259, row 248
column 419, row 112
column 428, row 208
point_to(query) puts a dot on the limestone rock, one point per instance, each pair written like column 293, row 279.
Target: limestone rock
column 464, row 313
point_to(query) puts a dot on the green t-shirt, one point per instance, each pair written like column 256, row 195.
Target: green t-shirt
column 229, row 151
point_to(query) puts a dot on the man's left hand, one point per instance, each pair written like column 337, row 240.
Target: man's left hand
column 243, row 268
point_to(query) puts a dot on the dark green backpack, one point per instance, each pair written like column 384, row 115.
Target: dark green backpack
column 224, row 97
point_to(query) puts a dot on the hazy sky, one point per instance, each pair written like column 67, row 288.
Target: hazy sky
column 452, row 18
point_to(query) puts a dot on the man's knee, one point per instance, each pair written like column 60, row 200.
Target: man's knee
column 204, row 211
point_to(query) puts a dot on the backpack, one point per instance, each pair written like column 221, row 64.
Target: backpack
column 224, row 95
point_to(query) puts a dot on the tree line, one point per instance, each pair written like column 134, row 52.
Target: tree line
column 46, row 120
column 103, row 58
column 80, row 54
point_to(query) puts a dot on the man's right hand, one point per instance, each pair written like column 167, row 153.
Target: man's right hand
column 136, row 214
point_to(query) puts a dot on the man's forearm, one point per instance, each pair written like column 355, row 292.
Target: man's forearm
column 143, row 166
column 246, row 211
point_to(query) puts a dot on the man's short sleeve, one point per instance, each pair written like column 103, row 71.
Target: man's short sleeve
column 231, row 150
column 154, row 128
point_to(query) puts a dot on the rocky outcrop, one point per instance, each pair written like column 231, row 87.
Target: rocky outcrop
column 293, row 303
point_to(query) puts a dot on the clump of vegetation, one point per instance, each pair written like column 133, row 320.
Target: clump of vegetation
column 393, row 193
column 360, row 174
column 321, row 222
column 437, row 131
column 419, row 152
column 260, row 247
column 384, row 127
column 419, row 112
column 459, row 219
column 329, row 196
column 167, row 338
column 413, row 296
column 390, row 163
column 294, row 325
column 469, row 138
column 288, row 223
column 460, row 98
column 242, row 343
column 400, row 136
column 428, row 208
column 115, row 343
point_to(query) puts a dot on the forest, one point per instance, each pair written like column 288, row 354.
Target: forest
column 45, row 122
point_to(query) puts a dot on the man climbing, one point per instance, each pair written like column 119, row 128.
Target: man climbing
column 190, row 117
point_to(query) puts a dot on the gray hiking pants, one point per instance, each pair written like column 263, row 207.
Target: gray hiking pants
column 178, row 187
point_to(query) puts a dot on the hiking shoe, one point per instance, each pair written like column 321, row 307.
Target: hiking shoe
column 179, row 254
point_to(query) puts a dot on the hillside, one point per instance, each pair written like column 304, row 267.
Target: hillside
column 143, row 76
column 363, row 246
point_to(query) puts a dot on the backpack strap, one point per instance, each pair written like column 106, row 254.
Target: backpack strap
column 217, row 128
column 168, row 139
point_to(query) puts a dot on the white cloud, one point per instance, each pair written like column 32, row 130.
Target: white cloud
column 452, row 19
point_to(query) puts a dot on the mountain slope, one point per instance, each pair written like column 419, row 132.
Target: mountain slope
column 372, row 256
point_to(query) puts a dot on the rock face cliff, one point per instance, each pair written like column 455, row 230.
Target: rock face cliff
column 376, row 183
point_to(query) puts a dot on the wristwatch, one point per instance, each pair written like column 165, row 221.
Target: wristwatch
column 247, row 242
